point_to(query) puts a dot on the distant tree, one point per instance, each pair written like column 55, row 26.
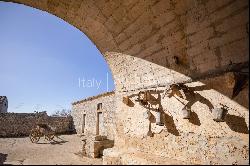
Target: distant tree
column 63, row 112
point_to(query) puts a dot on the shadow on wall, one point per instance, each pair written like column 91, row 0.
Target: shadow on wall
column 169, row 123
column 194, row 119
column 168, row 120
column 235, row 123
column 230, row 81
column 3, row 158
column 110, row 144
column 72, row 128
column 192, row 97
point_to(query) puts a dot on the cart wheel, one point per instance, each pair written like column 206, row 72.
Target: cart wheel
column 49, row 137
column 34, row 138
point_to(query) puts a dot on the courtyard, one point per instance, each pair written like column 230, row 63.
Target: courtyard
column 64, row 150
column 142, row 81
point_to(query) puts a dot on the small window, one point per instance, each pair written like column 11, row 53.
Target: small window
column 5, row 104
column 99, row 106
column 83, row 122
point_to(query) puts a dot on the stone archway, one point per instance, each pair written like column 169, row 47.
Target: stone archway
column 195, row 38
column 155, row 43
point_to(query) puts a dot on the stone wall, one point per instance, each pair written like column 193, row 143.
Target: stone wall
column 198, row 140
column 63, row 125
column 20, row 124
column 89, row 108
column 205, row 46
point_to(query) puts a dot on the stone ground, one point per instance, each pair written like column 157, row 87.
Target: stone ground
column 65, row 151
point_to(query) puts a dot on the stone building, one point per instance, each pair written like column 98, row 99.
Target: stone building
column 3, row 104
column 94, row 119
column 191, row 56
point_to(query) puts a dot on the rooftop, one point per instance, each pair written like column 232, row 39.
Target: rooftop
column 2, row 99
column 93, row 97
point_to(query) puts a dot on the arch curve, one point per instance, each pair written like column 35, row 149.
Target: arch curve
column 200, row 35
column 83, row 15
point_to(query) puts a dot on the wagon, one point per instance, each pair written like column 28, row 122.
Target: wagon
column 41, row 130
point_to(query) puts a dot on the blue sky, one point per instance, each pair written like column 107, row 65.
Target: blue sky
column 42, row 59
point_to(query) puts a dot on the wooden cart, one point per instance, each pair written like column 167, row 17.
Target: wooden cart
column 41, row 130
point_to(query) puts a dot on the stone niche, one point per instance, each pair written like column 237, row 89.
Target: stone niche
column 93, row 146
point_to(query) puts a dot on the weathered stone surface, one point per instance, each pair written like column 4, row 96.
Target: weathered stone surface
column 199, row 140
column 20, row 124
column 88, row 107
